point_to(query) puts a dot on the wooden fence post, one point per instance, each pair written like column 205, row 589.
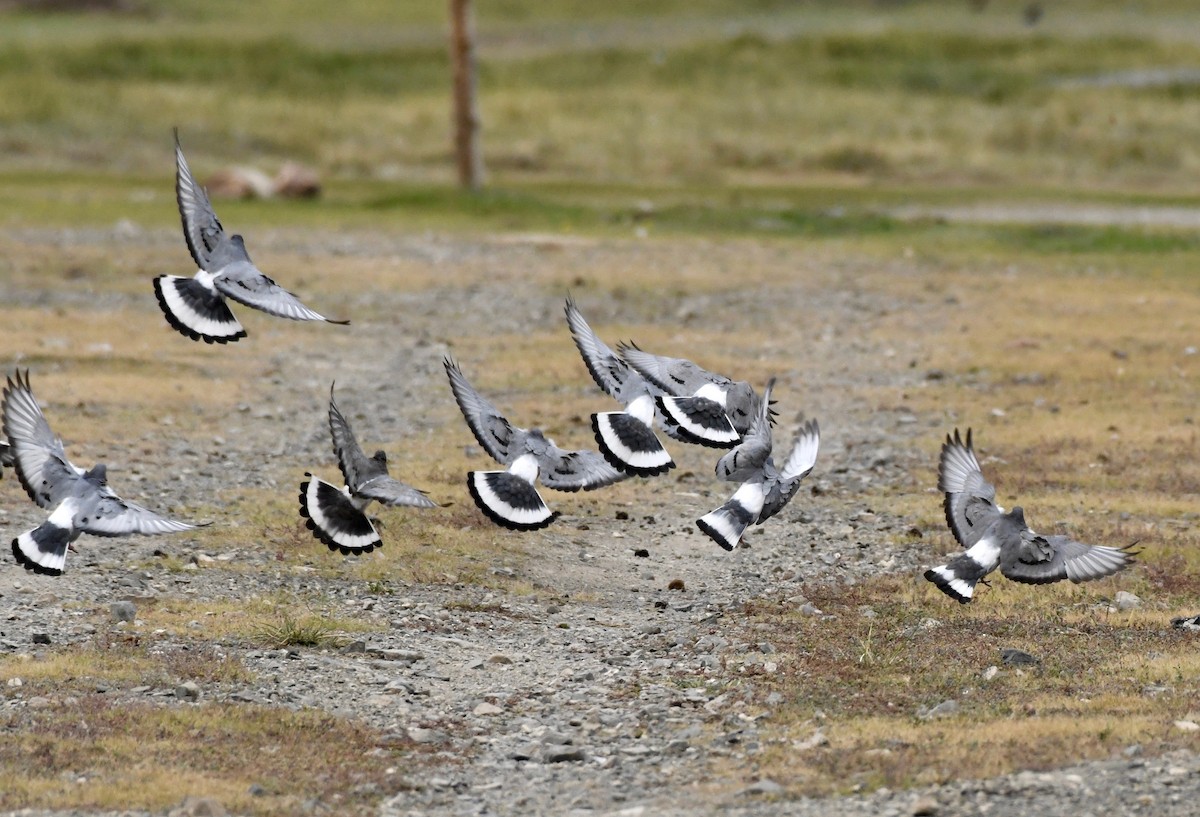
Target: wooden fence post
column 467, row 152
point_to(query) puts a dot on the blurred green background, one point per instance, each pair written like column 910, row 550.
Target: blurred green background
column 757, row 115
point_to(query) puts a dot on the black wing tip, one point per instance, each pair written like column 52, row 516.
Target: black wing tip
column 31, row 565
column 182, row 328
column 338, row 323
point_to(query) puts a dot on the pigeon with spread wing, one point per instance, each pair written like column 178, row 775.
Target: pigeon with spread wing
column 337, row 516
column 81, row 500
column 509, row 497
column 994, row 538
column 196, row 307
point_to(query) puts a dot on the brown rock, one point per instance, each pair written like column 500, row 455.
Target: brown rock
column 295, row 181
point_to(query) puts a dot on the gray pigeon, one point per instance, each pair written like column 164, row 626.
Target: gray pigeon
column 82, row 500
column 626, row 438
column 700, row 407
column 765, row 489
column 196, row 306
column 508, row 497
column 336, row 516
column 995, row 538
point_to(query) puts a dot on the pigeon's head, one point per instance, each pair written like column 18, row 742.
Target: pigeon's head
column 1017, row 515
column 380, row 457
column 98, row 474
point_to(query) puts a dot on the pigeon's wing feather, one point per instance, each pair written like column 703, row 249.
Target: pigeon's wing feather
column 575, row 470
column 201, row 228
column 241, row 281
column 38, row 455
column 611, row 373
column 675, row 376
column 356, row 466
column 782, row 485
column 391, row 491
column 500, row 438
column 970, row 500
column 106, row 514
column 1045, row 559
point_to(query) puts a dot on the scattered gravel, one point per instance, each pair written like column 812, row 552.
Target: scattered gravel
column 567, row 700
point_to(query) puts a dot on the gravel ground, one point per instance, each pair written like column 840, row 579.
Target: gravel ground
column 565, row 701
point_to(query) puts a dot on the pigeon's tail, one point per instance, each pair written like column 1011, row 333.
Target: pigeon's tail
column 727, row 523
column 698, row 420
column 508, row 500
column 960, row 589
column 333, row 518
column 958, row 577
column 43, row 549
column 196, row 311
column 630, row 445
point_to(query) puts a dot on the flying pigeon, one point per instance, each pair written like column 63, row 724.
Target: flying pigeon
column 336, row 516
column 994, row 538
column 702, row 407
column 196, row 306
column 508, row 497
column 626, row 438
column 765, row 489
column 82, row 500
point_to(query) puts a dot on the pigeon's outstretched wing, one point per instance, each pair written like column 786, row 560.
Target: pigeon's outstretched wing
column 390, row 491
column 970, row 500
column 103, row 513
column 614, row 376
column 201, row 228
column 781, row 485
column 1044, row 559
column 38, row 455
column 497, row 435
column 334, row 519
column 673, row 375
column 241, row 281
column 576, row 470
column 356, row 466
